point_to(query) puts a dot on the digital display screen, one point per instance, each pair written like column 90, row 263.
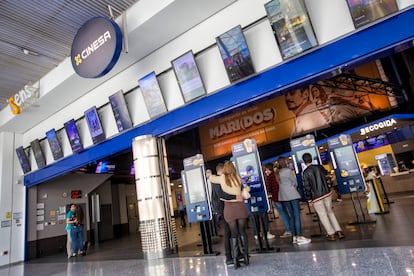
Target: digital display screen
column 94, row 125
column 38, row 153
column 54, row 144
column 23, row 160
column 120, row 110
column 188, row 76
column 73, row 136
column 75, row 194
column 195, row 185
column 299, row 160
column 291, row 26
column 104, row 167
column 249, row 171
column 152, row 95
column 371, row 143
column 235, row 54
column 346, row 161
column 366, row 11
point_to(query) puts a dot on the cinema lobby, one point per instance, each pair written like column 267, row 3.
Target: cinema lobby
column 115, row 114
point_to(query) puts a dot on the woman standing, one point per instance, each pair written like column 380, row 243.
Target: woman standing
column 76, row 232
column 235, row 212
column 289, row 196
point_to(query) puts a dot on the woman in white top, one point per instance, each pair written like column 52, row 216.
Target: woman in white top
column 235, row 212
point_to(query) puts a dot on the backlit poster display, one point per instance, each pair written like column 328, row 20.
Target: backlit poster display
column 366, row 11
column 291, row 26
column 73, row 136
column 188, row 76
column 235, row 54
column 38, row 153
column 23, row 159
column 94, row 125
column 120, row 110
column 54, row 144
column 152, row 95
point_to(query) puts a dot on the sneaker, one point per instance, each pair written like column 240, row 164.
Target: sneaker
column 73, row 255
column 229, row 263
column 255, row 237
column 302, row 240
column 270, row 236
column 295, row 239
column 286, row 235
column 339, row 200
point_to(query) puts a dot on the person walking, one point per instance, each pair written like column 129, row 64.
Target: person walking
column 70, row 218
column 319, row 195
column 235, row 212
column 289, row 196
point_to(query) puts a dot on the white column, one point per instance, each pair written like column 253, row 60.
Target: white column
column 12, row 201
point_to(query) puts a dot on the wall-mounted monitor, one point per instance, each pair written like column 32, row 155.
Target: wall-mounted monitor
column 291, row 26
column 364, row 12
column 73, row 136
column 235, row 54
column 152, row 95
column 120, row 110
column 104, row 167
column 94, row 125
column 188, row 76
column 54, row 144
column 23, row 159
column 38, row 153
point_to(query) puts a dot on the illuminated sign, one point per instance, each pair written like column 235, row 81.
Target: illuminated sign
column 23, row 99
column 76, row 194
column 96, row 47
column 380, row 125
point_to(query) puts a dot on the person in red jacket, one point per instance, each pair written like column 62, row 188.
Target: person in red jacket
column 272, row 186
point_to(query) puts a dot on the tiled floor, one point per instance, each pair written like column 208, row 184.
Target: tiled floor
column 385, row 247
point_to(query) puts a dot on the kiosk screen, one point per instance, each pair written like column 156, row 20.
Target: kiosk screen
column 249, row 171
column 346, row 160
column 195, row 185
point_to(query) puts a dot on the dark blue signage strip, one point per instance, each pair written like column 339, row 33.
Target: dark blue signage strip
column 320, row 63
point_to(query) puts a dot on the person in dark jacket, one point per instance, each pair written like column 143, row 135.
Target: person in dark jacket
column 319, row 195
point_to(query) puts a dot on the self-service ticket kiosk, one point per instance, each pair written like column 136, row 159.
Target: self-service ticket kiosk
column 247, row 162
column 197, row 198
column 348, row 171
column 299, row 146
column 346, row 166
column 195, row 189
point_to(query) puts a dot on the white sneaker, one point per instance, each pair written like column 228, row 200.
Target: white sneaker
column 270, row 236
column 295, row 239
column 286, row 235
column 255, row 237
column 302, row 240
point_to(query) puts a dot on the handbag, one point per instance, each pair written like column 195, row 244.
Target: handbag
column 245, row 194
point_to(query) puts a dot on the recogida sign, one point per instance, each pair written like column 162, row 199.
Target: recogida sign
column 96, row 47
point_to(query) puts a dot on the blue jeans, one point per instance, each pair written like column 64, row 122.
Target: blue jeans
column 293, row 211
column 283, row 215
column 76, row 234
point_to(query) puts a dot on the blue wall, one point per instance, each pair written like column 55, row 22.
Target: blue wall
column 366, row 45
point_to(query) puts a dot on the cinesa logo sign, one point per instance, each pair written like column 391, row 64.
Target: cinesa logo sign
column 96, row 47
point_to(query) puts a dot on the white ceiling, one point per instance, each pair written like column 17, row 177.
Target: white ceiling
column 48, row 27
